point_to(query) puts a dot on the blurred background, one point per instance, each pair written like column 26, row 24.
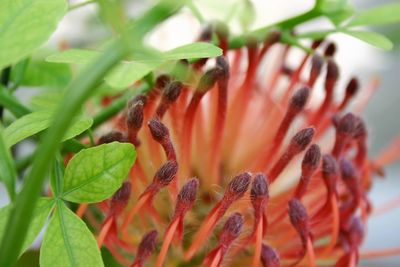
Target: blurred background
column 80, row 28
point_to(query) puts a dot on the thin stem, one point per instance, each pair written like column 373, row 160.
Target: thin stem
column 284, row 25
column 4, row 79
column 72, row 7
column 9, row 102
column 24, row 162
column 57, row 175
column 91, row 138
column 195, row 11
column 19, row 74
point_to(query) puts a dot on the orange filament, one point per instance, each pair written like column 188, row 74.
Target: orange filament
column 166, row 242
column 219, row 130
column 381, row 253
column 257, row 251
column 81, row 210
column 203, row 233
column 217, row 259
column 134, row 210
column 104, row 231
column 353, row 260
column 335, row 223
column 310, row 253
column 187, row 133
column 390, row 205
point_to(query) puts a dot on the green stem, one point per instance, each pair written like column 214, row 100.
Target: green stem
column 12, row 104
column 195, row 11
column 72, row 7
column 24, row 162
column 78, row 92
column 19, row 73
column 284, row 25
column 4, row 80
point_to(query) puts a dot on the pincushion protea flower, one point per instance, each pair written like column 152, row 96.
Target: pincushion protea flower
column 235, row 169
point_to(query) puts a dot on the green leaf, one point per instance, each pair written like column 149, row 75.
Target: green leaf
column 378, row 16
column 339, row 17
column 371, row 38
column 94, row 174
column 8, row 174
column 138, row 66
column 43, row 74
column 68, row 242
column 127, row 73
column 73, row 56
column 80, row 124
column 38, row 121
column 194, row 50
column 25, row 25
column 40, row 215
column 247, row 14
column 331, row 6
column 46, row 100
column 317, row 35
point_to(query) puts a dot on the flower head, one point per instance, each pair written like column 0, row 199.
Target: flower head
column 222, row 124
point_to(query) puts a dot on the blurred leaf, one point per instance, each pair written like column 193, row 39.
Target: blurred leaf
column 8, row 174
column 73, row 56
column 43, row 74
column 141, row 63
column 247, row 14
column 38, row 121
column 80, row 124
column 339, row 17
column 18, row 72
column 94, row 174
column 25, row 25
column 40, row 214
column 46, row 100
column 317, row 35
column 193, row 50
column 331, row 6
column 127, row 73
column 371, row 38
column 377, row 16
column 68, row 242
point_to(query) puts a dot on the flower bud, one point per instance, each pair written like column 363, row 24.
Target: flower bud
column 166, row 173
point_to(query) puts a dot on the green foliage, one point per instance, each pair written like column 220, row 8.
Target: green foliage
column 47, row 100
column 377, row 16
column 38, row 121
column 40, row 215
column 73, row 56
column 130, row 71
column 8, row 174
column 94, row 174
column 127, row 73
column 68, row 242
column 43, row 74
column 372, row 38
column 25, row 25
